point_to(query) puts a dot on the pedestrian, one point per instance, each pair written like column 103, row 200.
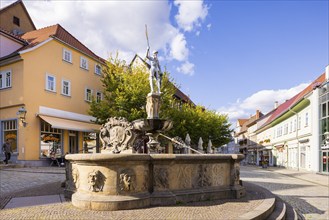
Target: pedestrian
column 6, row 148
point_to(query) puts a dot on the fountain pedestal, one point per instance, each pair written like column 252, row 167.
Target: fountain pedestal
column 153, row 103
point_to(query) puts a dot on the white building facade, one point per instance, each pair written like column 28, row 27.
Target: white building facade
column 295, row 134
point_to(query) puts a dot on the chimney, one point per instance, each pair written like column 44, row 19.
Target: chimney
column 276, row 104
column 327, row 72
column 257, row 114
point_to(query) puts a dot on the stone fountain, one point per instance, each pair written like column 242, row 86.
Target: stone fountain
column 118, row 178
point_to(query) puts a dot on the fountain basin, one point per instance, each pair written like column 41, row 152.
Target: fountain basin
column 129, row 181
column 152, row 125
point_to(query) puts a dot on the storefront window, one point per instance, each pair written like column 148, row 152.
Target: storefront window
column 50, row 140
column 324, row 128
column 89, row 141
column 325, row 156
column 10, row 133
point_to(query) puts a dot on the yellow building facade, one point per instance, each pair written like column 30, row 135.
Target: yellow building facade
column 54, row 78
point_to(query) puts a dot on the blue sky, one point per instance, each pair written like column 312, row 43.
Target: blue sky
column 230, row 56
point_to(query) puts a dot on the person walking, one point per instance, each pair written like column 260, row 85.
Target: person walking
column 6, row 148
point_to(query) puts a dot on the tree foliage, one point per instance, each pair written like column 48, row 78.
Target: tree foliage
column 125, row 92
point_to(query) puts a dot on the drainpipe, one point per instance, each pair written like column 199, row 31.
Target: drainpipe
column 298, row 147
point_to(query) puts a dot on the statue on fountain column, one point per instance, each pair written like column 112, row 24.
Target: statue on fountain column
column 155, row 70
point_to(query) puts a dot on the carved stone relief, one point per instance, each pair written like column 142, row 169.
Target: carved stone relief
column 72, row 177
column 117, row 135
column 127, row 180
column 75, row 177
column 235, row 174
column 96, row 181
column 217, row 175
column 201, row 178
column 184, row 176
column 161, row 178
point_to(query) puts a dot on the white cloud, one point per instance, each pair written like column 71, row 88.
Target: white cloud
column 108, row 27
column 179, row 50
column 190, row 14
column 186, row 68
column 208, row 27
column 262, row 100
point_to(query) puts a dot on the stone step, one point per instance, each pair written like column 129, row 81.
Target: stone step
column 265, row 209
column 280, row 210
column 284, row 211
column 272, row 208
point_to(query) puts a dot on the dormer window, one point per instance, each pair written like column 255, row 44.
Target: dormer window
column 16, row 21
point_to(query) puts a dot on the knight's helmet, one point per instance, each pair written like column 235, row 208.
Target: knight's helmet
column 155, row 52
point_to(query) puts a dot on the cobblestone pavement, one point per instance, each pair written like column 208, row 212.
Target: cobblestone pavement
column 22, row 182
column 17, row 179
column 306, row 192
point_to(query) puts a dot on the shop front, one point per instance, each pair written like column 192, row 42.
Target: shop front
column 252, row 156
column 59, row 136
column 265, row 156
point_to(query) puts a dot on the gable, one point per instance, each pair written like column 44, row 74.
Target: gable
column 17, row 19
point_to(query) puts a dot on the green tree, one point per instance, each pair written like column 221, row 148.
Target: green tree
column 125, row 92
column 199, row 122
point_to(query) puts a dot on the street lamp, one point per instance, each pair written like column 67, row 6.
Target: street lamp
column 22, row 115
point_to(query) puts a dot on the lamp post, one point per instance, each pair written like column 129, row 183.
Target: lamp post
column 22, row 115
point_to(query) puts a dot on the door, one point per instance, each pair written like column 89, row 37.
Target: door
column 324, row 161
column 73, row 142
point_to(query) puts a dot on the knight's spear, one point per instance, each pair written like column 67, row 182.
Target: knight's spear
column 147, row 36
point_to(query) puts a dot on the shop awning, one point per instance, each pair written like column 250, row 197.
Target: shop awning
column 67, row 124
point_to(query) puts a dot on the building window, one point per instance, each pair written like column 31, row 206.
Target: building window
column 286, row 129
column 83, row 63
column 279, row 132
column 66, row 87
column 50, row 140
column 88, row 95
column 324, row 110
column 5, row 79
column 16, row 21
column 89, row 141
column 10, row 132
column 67, row 55
column 50, row 83
column 299, row 122
column 306, row 119
column 98, row 69
column 290, row 127
column 295, row 125
column 99, row 97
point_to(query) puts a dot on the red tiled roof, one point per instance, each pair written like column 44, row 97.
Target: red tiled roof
column 57, row 32
column 294, row 100
column 242, row 121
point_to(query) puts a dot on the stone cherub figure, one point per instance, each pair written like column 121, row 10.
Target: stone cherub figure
column 155, row 70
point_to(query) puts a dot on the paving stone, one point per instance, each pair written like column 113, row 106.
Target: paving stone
column 307, row 193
